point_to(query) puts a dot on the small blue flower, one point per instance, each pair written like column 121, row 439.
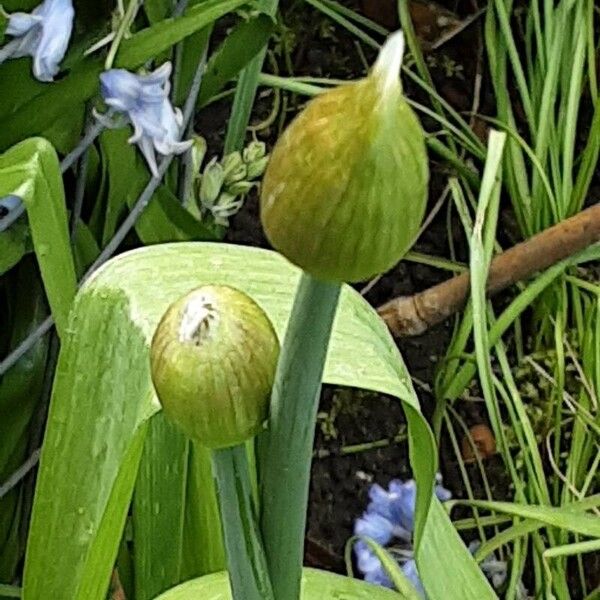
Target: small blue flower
column 44, row 35
column 144, row 99
column 374, row 526
column 398, row 502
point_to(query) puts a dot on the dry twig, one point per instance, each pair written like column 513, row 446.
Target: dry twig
column 413, row 315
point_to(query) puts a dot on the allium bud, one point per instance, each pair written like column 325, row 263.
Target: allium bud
column 345, row 190
column 213, row 361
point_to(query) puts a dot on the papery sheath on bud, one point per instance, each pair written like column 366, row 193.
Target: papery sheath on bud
column 345, row 190
column 213, row 360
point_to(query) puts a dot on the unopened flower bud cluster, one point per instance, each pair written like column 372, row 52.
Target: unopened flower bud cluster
column 222, row 186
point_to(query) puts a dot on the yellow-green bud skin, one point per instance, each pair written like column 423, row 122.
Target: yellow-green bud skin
column 213, row 361
column 345, row 190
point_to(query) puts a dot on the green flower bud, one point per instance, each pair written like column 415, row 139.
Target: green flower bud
column 240, row 188
column 345, row 191
column 198, row 152
column 254, row 151
column 234, row 168
column 257, row 168
column 213, row 361
column 212, row 181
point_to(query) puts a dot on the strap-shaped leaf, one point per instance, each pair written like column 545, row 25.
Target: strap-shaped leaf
column 103, row 398
column 31, row 171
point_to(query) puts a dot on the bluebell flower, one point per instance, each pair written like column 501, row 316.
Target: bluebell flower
column 391, row 514
column 44, row 35
column 398, row 502
column 144, row 100
column 374, row 526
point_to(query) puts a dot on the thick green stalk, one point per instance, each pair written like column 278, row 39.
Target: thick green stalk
column 286, row 447
column 245, row 556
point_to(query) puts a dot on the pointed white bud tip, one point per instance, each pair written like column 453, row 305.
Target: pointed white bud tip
column 388, row 63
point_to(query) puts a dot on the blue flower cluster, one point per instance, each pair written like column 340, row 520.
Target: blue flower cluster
column 391, row 514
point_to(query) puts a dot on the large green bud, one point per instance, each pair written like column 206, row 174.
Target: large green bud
column 213, row 360
column 345, row 190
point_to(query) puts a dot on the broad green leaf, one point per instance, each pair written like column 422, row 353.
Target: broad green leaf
column 15, row 242
column 157, row 10
column 202, row 519
column 87, row 466
column 85, row 248
column 23, row 86
column 36, row 115
column 158, row 526
column 192, row 50
column 164, row 219
column 167, row 33
column 316, row 585
column 31, row 171
column 240, row 46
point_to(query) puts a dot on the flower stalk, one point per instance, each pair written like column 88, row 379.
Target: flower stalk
column 248, row 572
column 285, row 449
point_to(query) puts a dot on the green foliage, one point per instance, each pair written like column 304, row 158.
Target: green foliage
column 108, row 414
column 30, row 170
column 240, row 46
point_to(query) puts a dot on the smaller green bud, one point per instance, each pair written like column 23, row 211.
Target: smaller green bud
column 212, row 181
column 257, row 168
column 254, row 151
column 198, row 152
column 240, row 188
column 213, row 359
column 234, row 168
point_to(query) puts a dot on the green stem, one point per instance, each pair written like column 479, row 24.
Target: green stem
column 286, row 447
column 124, row 25
column 245, row 556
